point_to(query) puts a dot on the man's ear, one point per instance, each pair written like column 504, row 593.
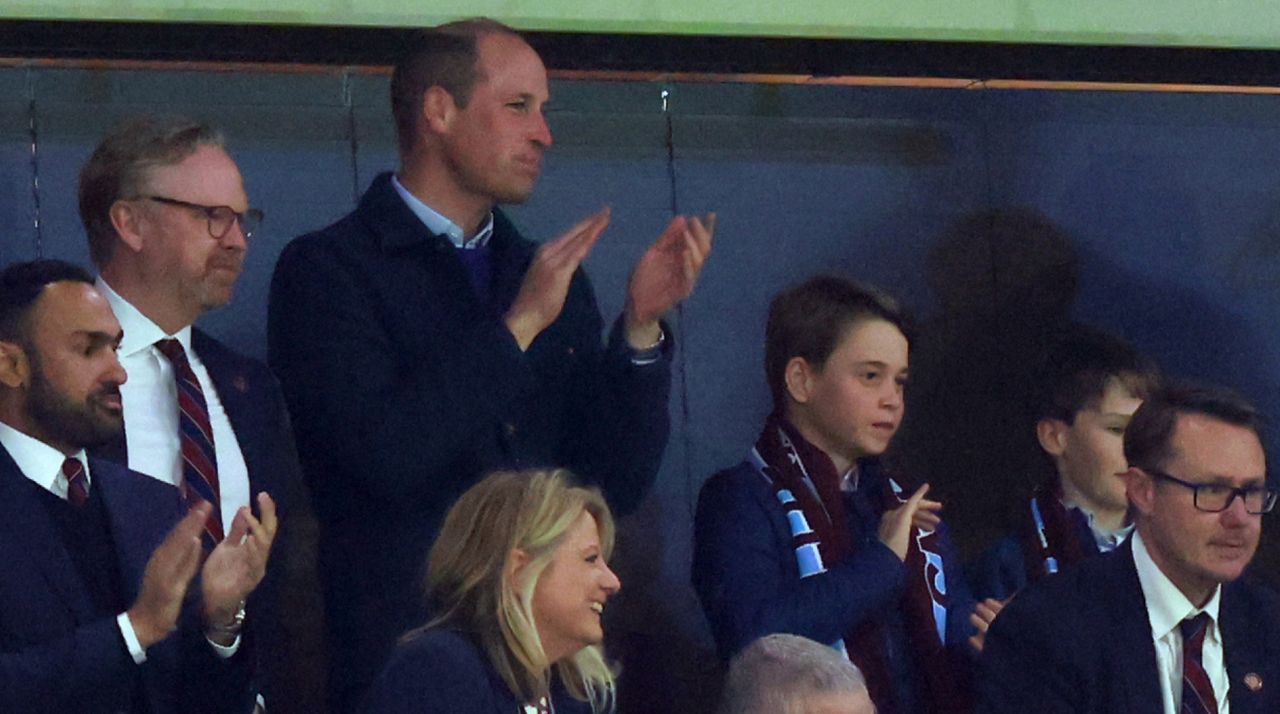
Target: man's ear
column 1140, row 488
column 15, row 368
column 1052, row 435
column 126, row 218
column 798, row 377
column 438, row 109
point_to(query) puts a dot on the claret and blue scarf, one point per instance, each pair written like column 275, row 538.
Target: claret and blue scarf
column 807, row 486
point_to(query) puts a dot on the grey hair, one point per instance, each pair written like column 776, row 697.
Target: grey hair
column 777, row 673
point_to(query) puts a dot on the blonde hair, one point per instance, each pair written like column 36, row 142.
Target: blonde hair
column 469, row 589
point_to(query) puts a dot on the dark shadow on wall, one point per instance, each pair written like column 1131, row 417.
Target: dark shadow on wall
column 1004, row 281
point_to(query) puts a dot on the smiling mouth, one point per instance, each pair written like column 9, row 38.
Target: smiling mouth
column 111, row 402
column 598, row 607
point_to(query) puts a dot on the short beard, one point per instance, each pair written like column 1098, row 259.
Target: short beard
column 73, row 423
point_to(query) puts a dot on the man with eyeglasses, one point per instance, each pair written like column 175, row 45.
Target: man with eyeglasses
column 168, row 223
column 1164, row 624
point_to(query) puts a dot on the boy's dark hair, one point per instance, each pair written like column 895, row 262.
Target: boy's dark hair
column 1080, row 363
column 809, row 320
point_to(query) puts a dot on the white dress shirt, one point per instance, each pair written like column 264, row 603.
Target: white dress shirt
column 1167, row 607
column 150, row 399
column 42, row 464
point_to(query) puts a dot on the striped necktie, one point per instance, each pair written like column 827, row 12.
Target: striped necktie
column 1197, row 690
column 77, row 487
column 199, row 459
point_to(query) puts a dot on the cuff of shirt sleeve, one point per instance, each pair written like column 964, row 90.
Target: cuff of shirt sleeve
column 131, row 642
column 618, row 349
column 225, row 652
column 650, row 354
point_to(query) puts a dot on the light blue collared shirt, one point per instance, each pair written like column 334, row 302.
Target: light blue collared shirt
column 437, row 223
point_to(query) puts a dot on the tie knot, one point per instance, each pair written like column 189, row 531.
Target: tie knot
column 72, row 469
column 1193, row 628
column 77, row 489
column 172, row 349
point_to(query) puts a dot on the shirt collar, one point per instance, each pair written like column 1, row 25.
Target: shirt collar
column 1166, row 605
column 38, row 461
column 139, row 331
column 437, row 223
column 1106, row 540
column 849, row 482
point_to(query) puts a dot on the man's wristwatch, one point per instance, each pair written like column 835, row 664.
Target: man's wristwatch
column 228, row 628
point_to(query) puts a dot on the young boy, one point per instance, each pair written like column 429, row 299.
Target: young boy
column 1093, row 383
column 809, row 535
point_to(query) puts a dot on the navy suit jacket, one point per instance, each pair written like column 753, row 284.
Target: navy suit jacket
column 1080, row 641
column 406, row 388
column 444, row 672
column 55, row 655
column 1001, row 571
column 255, row 407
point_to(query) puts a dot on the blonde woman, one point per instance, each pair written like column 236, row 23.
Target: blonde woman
column 518, row 579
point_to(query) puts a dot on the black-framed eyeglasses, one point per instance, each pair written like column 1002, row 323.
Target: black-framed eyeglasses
column 1216, row 497
column 220, row 217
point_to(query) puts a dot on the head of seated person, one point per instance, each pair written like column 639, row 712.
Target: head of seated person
column 521, row 564
column 789, row 674
column 1091, row 384
column 1198, row 485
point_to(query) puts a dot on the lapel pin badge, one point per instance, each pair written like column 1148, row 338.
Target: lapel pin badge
column 1253, row 681
column 240, row 384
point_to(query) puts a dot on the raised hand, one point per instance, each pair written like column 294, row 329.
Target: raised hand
column 917, row 512
column 984, row 613
column 546, row 284
column 238, row 563
column 665, row 275
column 168, row 574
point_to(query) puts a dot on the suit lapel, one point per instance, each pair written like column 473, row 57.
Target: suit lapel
column 510, row 262
column 1243, row 653
column 116, row 451
column 238, row 395
column 1133, row 653
column 22, row 514
column 140, row 510
column 445, row 279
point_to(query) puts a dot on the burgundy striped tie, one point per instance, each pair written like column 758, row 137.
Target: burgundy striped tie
column 1197, row 691
column 199, row 459
column 77, row 489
